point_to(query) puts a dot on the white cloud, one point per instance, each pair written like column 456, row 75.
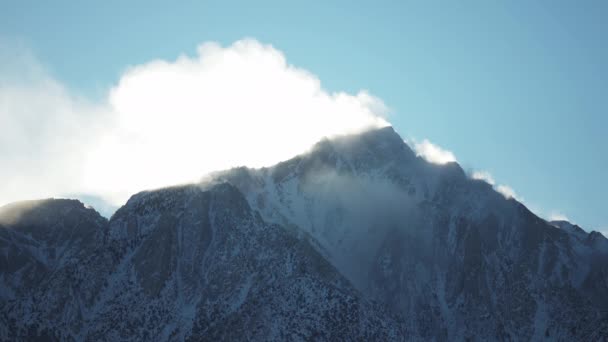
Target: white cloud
column 44, row 130
column 557, row 216
column 433, row 153
column 167, row 122
column 505, row 190
column 484, row 176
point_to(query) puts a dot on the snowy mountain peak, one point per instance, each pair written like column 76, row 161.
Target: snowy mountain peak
column 370, row 149
column 358, row 239
column 425, row 239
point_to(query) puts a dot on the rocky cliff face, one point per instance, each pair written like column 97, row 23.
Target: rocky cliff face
column 450, row 255
column 174, row 264
column 359, row 239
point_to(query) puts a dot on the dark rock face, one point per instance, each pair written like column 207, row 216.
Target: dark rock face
column 183, row 263
column 359, row 239
column 449, row 255
column 38, row 237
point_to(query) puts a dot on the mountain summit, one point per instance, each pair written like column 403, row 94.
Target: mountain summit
column 358, row 239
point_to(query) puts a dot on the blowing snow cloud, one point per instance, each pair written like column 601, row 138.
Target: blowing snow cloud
column 167, row 122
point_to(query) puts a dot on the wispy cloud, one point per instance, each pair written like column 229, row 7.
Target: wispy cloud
column 484, row 176
column 507, row 191
column 503, row 189
column 166, row 122
column 557, row 216
column 432, row 153
column 45, row 130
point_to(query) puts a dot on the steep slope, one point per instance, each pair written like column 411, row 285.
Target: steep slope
column 359, row 239
column 456, row 259
column 39, row 237
column 183, row 263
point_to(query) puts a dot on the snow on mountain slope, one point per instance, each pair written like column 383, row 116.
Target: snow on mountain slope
column 359, row 239
column 453, row 257
column 185, row 263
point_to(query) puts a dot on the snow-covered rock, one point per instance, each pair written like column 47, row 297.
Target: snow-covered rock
column 175, row 264
column 358, row 239
column 451, row 256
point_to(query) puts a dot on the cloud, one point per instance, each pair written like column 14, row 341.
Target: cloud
column 509, row 192
column 169, row 122
column 166, row 122
column 557, row 216
column 433, row 153
column 484, row 176
column 505, row 190
column 45, row 130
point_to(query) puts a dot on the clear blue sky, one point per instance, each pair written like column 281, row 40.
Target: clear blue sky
column 519, row 88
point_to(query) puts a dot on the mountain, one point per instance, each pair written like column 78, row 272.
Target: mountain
column 174, row 264
column 358, row 239
column 452, row 256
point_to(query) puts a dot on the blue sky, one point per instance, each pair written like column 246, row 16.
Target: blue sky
column 518, row 89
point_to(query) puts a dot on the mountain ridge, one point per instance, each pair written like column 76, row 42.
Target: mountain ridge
column 443, row 216
column 357, row 239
